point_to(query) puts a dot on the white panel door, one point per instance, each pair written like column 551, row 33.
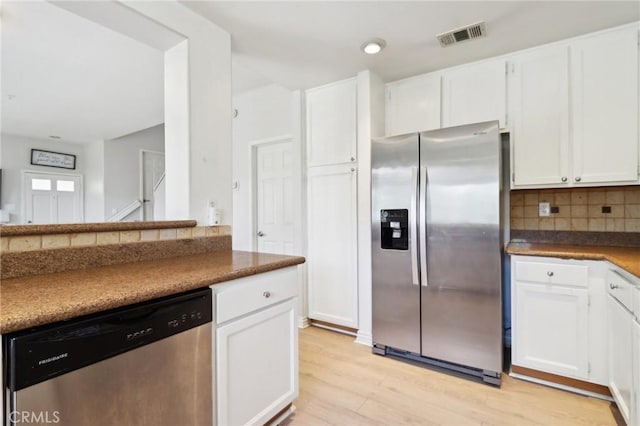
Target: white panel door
column 332, row 245
column 52, row 198
column 413, row 105
column 551, row 329
column 620, row 324
column 474, row 93
column 636, row 367
column 331, row 123
column 274, row 176
column 605, row 107
column 152, row 173
column 539, row 100
column 257, row 365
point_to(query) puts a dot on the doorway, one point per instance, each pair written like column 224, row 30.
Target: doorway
column 274, row 211
column 151, row 183
column 52, row 198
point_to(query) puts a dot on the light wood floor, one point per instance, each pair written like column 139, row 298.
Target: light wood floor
column 343, row 383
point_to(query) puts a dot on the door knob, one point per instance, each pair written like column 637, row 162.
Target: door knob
column 260, row 234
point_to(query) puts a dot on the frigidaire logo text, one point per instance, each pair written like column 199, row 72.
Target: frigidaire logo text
column 53, row 358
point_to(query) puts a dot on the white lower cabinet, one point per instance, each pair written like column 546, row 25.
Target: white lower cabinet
column 558, row 311
column 332, row 252
column 256, row 335
column 551, row 329
column 636, row 365
column 623, row 357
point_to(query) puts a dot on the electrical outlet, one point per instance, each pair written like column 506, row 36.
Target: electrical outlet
column 544, row 209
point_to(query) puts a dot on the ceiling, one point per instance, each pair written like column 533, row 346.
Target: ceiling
column 66, row 76
column 302, row 44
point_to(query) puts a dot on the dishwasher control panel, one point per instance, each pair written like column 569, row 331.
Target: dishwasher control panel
column 42, row 353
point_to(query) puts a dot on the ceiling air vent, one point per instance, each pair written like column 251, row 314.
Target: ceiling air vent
column 461, row 34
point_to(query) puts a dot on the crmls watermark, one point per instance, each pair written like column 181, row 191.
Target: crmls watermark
column 39, row 417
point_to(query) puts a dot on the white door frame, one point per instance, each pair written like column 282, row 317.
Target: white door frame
column 23, row 189
column 253, row 147
column 141, row 176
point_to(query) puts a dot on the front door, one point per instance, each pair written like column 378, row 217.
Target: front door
column 52, row 198
column 274, row 207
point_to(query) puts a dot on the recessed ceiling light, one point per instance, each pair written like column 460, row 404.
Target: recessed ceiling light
column 373, row 46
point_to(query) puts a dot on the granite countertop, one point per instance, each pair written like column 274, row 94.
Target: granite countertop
column 628, row 258
column 42, row 299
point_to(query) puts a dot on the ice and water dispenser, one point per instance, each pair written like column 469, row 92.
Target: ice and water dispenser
column 394, row 227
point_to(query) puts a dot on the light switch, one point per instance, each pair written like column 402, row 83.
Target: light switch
column 544, row 209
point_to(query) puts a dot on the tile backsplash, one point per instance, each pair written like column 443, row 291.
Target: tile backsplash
column 601, row 209
column 85, row 239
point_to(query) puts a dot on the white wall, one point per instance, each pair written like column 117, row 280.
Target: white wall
column 122, row 167
column 15, row 156
column 264, row 113
column 370, row 109
column 207, row 140
column 94, row 182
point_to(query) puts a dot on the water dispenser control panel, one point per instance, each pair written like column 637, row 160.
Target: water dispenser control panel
column 394, row 229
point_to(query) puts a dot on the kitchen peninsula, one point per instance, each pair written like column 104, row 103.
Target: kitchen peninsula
column 102, row 277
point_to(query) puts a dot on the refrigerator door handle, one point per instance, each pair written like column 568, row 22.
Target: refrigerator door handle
column 413, row 226
column 423, row 227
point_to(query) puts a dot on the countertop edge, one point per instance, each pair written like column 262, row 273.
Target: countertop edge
column 149, row 293
column 588, row 253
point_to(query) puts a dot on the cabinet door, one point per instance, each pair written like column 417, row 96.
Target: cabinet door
column 413, row 105
column 257, row 365
column 551, row 329
column 605, row 108
column 539, row 100
column 332, row 250
column 331, row 124
column 474, row 93
column 636, row 369
column 620, row 355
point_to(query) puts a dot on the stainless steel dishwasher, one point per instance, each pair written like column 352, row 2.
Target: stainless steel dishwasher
column 146, row 364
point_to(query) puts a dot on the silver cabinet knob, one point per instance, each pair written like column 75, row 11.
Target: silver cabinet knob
column 564, row 178
column 267, row 294
column 353, row 169
column 612, row 286
column 353, row 159
column 550, row 273
column 578, row 179
column 260, row 234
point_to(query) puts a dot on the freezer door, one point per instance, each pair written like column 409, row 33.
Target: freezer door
column 461, row 291
column 396, row 293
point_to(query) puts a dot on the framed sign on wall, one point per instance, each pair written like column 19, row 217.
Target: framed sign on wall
column 53, row 159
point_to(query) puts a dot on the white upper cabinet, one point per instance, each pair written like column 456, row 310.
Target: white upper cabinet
column 539, row 103
column 331, row 123
column 575, row 109
column 413, row 105
column 605, row 107
column 474, row 93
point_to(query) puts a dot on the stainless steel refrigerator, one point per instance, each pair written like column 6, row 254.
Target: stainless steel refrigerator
column 437, row 248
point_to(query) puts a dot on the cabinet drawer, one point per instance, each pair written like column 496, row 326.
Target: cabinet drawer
column 620, row 288
column 239, row 297
column 553, row 273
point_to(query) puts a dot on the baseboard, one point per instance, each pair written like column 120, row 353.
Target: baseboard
column 282, row 415
column 334, row 327
column 303, row 322
column 364, row 339
column 566, row 383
